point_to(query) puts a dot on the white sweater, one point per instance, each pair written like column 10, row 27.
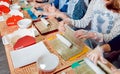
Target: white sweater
column 105, row 23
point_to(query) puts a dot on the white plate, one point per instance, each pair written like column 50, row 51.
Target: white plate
column 15, row 6
column 7, row 39
column 28, row 54
column 16, row 12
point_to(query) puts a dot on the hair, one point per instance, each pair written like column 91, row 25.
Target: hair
column 114, row 6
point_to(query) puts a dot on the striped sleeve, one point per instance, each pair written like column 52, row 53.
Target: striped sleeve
column 82, row 23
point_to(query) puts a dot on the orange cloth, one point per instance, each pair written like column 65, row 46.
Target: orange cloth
column 24, row 42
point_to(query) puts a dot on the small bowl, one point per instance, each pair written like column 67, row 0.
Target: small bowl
column 47, row 62
column 24, row 23
column 16, row 12
column 15, row 6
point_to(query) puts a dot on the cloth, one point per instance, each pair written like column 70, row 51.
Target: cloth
column 32, row 15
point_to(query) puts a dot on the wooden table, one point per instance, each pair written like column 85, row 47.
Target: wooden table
column 32, row 68
column 64, row 66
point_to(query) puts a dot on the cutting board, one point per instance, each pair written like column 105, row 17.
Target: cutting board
column 46, row 29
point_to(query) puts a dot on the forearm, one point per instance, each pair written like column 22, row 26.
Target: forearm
column 95, row 36
column 100, row 37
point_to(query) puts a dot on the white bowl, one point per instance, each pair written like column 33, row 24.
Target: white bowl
column 15, row 6
column 24, row 23
column 47, row 62
column 16, row 12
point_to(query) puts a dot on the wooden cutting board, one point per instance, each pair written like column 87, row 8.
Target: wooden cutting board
column 46, row 29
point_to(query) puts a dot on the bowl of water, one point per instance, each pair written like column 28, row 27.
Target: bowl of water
column 24, row 23
column 47, row 62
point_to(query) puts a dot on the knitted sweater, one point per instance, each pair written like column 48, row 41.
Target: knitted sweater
column 104, row 22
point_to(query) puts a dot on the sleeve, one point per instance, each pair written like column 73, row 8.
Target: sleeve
column 114, row 32
column 114, row 43
column 82, row 23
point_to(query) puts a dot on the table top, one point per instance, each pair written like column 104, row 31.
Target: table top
column 64, row 66
column 32, row 68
